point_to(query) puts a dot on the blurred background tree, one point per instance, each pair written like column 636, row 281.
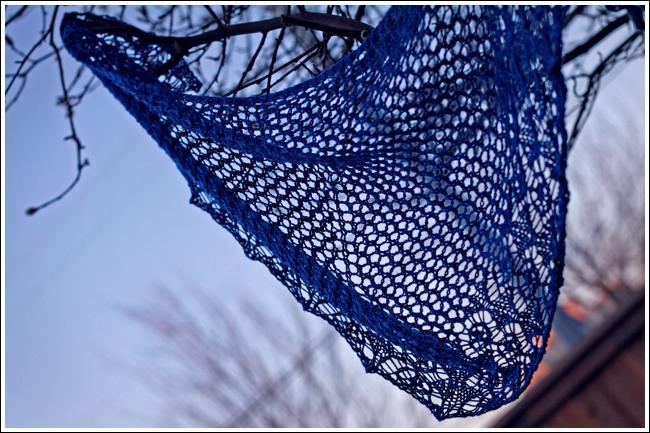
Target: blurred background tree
column 243, row 365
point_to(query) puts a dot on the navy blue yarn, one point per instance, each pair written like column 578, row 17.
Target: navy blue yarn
column 413, row 195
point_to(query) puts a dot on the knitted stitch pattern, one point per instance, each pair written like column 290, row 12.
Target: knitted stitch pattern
column 413, row 195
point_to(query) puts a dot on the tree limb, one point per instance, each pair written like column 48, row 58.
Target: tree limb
column 595, row 39
column 336, row 25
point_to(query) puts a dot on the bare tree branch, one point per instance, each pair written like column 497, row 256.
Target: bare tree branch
column 243, row 365
column 623, row 51
column 585, row 47
column 69, row 107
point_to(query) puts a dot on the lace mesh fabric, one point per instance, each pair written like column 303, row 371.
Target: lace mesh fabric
column 413, row 195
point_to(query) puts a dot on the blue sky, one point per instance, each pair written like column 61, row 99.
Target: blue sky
column 127, row 226
column 69, row 269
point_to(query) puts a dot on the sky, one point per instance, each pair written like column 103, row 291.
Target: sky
column 71, row 269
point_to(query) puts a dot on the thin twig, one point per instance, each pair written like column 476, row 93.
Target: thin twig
column 595, row 39
column 65, row 100
column 18, row 13
column 250, row 65
column 312, row 53
column 327, row 338
column 594, row 82
column 575, row 12
column 278, row 42
column 214, row 16
column 260, row 79
column 25, row 59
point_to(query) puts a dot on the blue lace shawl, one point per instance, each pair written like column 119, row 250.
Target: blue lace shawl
column 413, row 195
